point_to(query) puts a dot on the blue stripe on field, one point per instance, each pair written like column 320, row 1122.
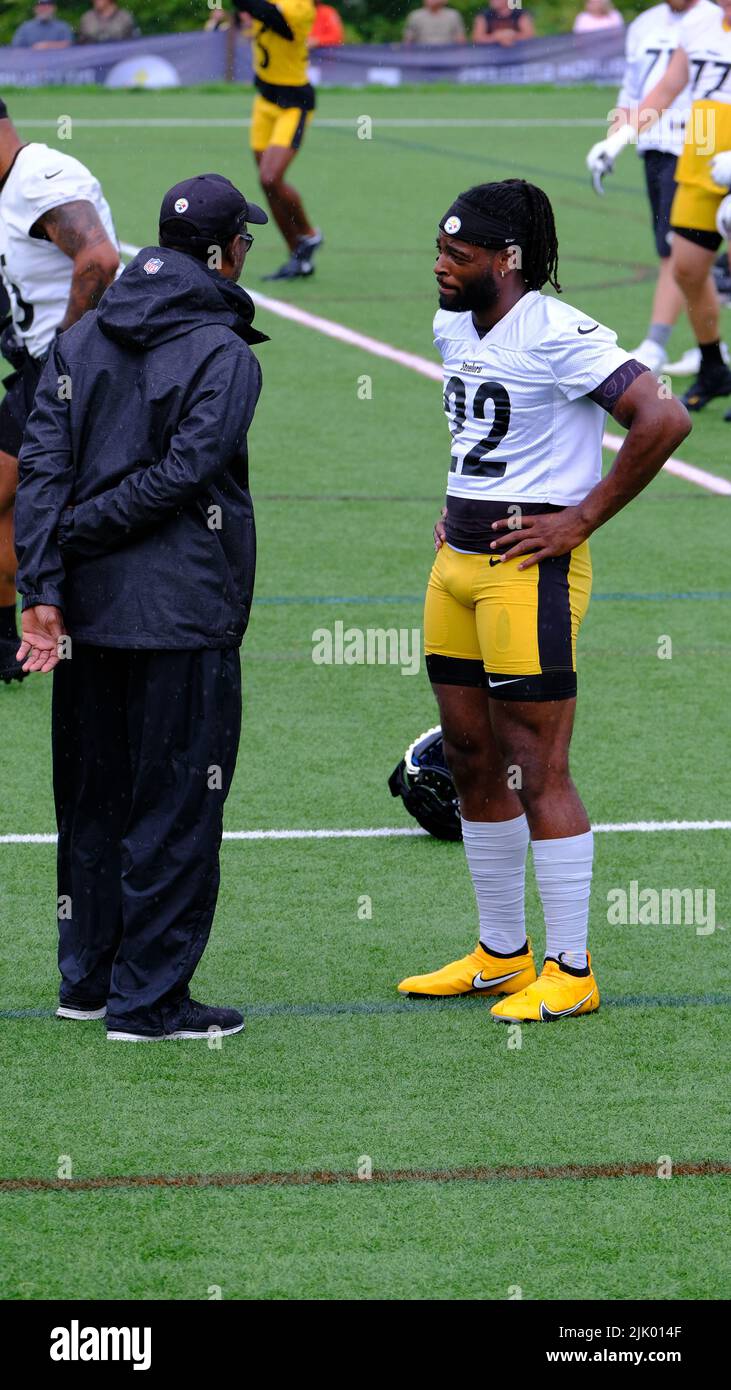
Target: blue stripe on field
column 700, row 595
column 408, row 1006
column 509, row 165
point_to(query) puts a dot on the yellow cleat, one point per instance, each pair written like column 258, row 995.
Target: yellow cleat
column 555, row 994
column 477, row 973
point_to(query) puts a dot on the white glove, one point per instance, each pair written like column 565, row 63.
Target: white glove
column 721, row 169
column 601, row 157
column 723, row 218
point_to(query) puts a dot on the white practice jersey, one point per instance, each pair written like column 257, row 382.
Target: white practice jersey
column 652, row 39
column 517, row 402
column 37, row 274
column 707, row 41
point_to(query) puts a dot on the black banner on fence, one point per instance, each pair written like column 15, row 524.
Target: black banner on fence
column 170, row 60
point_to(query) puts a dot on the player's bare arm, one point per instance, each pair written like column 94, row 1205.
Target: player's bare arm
column 627, row 123
column 77, row 231
column 656, row 426
column 664, row 93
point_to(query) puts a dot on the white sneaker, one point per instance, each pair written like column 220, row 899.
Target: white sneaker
column 652, row 355
column 690, row 363
column 81, row 1015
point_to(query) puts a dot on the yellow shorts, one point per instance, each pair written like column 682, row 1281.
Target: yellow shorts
column 277, row 125
column 516, row 622
column 698, row 196
column 694, row 207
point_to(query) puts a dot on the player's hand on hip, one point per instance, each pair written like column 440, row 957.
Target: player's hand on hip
column 440, row 534
column 539, row 537
column 42, row 628
column 721, row 169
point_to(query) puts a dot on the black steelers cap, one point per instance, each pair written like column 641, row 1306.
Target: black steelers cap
column 204, row 209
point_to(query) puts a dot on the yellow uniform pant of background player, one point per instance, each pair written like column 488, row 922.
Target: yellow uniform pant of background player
column 277, row 125
column 698, row 198
column 516, row 622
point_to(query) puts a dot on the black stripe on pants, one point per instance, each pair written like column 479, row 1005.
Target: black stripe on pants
column 138, row 737
column 555, row 651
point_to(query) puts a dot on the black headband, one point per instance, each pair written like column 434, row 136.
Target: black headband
column 476, row 227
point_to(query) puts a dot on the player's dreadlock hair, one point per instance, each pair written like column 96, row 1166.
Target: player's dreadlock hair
column 528, row 216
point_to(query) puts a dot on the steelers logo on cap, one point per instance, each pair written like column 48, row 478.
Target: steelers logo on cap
column 452, row 225
column 181, row 205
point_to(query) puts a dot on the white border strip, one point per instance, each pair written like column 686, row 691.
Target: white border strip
column 710, row 482
column 389, row 832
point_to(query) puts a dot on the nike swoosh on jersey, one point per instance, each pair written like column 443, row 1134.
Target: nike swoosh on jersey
column 479, row 983
column 584, row 331
column 548, row 1014
column 494, row 684
column 53, row 176
column 496, row 560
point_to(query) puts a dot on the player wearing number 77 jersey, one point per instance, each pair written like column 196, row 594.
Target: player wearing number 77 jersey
column 527, row 380
column 702, row 61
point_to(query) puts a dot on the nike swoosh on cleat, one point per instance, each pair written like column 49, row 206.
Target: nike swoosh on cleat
column 479, row 983
column 547, row 1015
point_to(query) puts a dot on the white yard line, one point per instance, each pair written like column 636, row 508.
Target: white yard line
column 332, row 123
column 390, row 832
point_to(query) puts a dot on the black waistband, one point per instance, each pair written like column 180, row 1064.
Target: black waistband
column 302, row 97
column 468, row 520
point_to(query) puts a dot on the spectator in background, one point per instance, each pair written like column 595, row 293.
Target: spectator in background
column 435, row 23
column 597, row 14
column 105, row 23
column 217, row 19
column 501, row 23
column 45, row 31
column 327, row 30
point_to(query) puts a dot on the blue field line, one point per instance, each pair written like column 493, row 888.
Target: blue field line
column 699, row 595
column 581, row 179
column 412, row 1006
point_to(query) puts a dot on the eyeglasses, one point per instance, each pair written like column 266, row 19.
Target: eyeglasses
column 248, row 239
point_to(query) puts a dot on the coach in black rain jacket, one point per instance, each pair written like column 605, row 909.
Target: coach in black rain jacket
column 162, row 387
column 135, row 536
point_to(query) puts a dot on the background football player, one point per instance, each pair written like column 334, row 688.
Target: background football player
column 58, row 253
column 282, row 110
column 527, row 380
column 651, row 41
column 703, row 58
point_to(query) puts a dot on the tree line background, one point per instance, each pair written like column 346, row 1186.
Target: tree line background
column 367, row 21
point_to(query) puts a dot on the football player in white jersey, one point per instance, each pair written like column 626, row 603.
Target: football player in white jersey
column 58, row 253
column 651, row 41
column 527, row 381
column 703, row 59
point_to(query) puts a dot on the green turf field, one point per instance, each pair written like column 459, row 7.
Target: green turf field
column 333, row 1070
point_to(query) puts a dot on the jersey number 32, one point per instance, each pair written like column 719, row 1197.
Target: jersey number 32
column 477, row 462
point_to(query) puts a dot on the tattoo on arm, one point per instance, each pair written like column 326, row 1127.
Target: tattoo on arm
column 77, row 231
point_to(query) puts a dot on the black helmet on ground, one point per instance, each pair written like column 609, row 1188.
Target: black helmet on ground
column 424, row 783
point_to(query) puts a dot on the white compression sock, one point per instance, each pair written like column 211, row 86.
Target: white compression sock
column 563, row 873
column 496, row 854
